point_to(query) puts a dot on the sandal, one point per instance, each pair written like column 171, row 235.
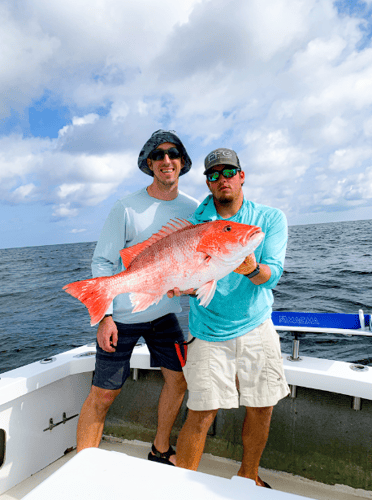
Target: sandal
column 162, row 458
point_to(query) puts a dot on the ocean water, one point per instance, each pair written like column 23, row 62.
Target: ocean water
column 328, row 268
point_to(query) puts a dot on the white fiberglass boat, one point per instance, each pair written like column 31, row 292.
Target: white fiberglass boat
column 320, row 443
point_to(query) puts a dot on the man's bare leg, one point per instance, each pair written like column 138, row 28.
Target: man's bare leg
column 255, row 432
column 92, row 417
column 191, row 440
column 170, row 401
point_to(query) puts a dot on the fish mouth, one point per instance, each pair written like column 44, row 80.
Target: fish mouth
column 256, row 235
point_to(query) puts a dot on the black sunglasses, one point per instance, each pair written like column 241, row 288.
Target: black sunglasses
column 159, row 154
column 214, row 175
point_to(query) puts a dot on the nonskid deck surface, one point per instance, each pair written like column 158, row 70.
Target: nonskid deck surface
column 210, row 465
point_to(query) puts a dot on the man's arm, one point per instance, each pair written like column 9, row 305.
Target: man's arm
column 249, row 265
column 272, row 255
column 104, row 263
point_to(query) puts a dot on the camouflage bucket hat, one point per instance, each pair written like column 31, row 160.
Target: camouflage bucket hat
column 157, row 138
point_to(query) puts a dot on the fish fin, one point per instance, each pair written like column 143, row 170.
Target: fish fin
column 206, row 292
column 130, row 253
column 142, row 301
column 94, row 294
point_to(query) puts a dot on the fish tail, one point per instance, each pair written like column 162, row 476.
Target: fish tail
column 95, row 294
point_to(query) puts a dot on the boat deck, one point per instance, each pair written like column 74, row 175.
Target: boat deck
column 210, row 465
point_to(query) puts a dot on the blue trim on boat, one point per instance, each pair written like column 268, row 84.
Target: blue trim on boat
column 318, row 320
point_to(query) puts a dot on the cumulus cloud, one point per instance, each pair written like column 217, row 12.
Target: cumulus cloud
column 286, row 84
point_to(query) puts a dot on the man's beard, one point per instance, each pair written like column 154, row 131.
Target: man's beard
column 225, row 199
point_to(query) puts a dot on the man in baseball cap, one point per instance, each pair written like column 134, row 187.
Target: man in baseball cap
column 235, row 358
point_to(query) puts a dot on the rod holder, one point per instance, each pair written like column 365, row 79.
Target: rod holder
column 295, row 348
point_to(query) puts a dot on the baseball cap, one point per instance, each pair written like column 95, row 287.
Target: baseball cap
column 221, row 156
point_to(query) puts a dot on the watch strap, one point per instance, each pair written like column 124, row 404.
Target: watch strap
column 253, row 273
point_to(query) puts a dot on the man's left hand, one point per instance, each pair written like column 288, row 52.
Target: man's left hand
column 248, row 266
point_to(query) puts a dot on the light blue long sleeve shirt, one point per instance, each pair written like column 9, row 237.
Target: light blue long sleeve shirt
column 238, row 305
column 133, row 219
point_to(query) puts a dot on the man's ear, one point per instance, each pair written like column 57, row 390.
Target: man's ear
column 242, row 176
column 149, row 164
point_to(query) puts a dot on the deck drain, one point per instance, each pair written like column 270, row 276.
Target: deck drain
column 359, row 368
column 48, row 360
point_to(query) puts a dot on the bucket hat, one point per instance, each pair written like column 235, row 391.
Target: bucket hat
column 157, row 138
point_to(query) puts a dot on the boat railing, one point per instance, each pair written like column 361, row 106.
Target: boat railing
column 301, row 323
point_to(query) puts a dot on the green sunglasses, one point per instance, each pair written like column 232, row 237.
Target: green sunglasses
column 226, row 172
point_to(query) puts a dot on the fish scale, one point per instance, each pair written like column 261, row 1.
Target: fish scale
column 180, row 255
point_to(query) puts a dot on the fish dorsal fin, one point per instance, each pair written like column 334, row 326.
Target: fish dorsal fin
column 129, row 254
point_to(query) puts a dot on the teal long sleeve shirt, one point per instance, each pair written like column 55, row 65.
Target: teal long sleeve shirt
column 238, row 305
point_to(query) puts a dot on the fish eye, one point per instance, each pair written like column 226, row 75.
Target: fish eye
column 227, row 228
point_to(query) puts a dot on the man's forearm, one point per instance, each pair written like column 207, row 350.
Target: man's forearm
column 263, row 276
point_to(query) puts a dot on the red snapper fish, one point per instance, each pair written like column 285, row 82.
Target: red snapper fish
column 180, row 255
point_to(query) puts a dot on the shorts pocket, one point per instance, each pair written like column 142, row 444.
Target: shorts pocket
column 275, row 374
column 197, row 369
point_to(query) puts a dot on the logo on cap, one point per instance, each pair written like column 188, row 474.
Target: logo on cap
column 219, row 153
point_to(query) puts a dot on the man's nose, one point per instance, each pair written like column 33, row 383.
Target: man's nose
column 167, row 159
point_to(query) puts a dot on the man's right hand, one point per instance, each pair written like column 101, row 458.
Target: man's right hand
column 176, row 292
column 107, row 334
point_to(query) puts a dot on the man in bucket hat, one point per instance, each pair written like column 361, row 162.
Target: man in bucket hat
column 133, row 219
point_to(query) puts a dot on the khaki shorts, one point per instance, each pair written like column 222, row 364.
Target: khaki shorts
column 254, row 359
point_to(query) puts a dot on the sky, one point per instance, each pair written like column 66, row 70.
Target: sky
column 287, row 84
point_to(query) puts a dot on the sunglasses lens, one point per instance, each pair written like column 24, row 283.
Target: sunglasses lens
column 173, row 153
column 213, row 176
column 159, row 154
column 229, row 172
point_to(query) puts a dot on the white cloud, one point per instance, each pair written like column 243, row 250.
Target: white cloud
column 346, row 159
column 286, row 84
column 65, row 210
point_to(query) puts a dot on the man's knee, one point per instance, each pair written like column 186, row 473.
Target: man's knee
column 175, row 381
column 201, row 420
column 265, row 411
column 102, row 399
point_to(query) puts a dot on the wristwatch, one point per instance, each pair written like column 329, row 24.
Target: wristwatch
column 107, row 315
column 253, row 273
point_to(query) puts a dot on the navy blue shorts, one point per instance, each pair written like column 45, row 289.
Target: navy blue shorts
column 113, row 368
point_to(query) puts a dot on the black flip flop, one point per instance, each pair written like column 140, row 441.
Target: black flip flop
column 162, row 458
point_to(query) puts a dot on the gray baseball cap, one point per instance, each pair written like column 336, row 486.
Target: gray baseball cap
column 157, row 138
column 221, row 156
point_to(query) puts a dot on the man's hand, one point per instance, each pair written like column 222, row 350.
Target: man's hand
column 107, row 334
column 176, row 292
column 248, row 266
